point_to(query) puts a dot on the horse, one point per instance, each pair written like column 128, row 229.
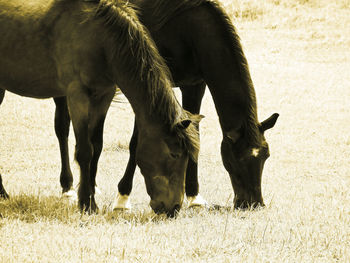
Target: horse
column 202, row 48
column 77, row 51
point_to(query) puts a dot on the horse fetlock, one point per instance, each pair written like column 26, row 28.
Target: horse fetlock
column 66, row 180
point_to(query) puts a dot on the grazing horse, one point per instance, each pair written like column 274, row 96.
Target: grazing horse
column 79, row 51
column 201, row 47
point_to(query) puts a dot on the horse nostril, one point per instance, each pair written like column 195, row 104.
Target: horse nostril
column 174, row 211
column 244, row 205
column 158, row 207
column 177, row 207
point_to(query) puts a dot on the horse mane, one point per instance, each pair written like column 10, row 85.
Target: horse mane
column 251, row 123
column 155, row 13
column 140, row 57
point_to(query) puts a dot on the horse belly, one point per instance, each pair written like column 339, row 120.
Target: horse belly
column 26, row 64
column 28, row 78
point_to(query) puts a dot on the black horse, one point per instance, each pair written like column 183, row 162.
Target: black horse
column 80, row 51
column 201, row 47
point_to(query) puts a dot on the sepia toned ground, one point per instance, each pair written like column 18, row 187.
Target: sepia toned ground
column 299, row 58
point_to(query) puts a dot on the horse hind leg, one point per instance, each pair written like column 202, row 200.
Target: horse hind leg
column 191, row 100
column 2, row 95
column 3, row 193
column 122, row 200
column 62, row 123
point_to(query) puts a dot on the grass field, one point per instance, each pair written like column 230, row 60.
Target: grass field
column 299, row 57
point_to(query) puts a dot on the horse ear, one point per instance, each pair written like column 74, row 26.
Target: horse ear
column 269, row 122
column 233, row 135
column 184, row 124
column 198, row 117
column 193, row 119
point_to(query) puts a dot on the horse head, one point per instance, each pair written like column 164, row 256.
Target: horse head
column 162, row 156
column 245, row 163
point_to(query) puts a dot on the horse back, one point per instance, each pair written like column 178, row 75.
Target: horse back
column 42, row 46
column 191, row 37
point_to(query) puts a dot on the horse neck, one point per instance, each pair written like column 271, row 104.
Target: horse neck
column 153, row 103
column 161, row 111
column 236, row 103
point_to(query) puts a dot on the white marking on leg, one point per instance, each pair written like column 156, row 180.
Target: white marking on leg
column 97, row 191
column 255, row 152
column 71, row 196
column 122, row 202
column 197, row 200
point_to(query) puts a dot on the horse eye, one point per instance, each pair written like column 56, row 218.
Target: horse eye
column 175, row 155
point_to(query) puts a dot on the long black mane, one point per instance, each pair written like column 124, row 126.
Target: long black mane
column 145, row 63
column 156, row 13
column 251, row 123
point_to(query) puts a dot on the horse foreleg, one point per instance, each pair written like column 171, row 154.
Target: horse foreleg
column 98, row 111
column 79, row 105
column 125, row 184
column 191, row 101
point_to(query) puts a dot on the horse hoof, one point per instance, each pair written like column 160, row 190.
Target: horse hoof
column 122, row 202
column 4, row 195
column 71, row 196
column 88, row 207
column 197, row 200
column 93, row 209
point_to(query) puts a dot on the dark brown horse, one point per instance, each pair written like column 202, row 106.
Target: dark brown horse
column 201, row 47
column 80, row 51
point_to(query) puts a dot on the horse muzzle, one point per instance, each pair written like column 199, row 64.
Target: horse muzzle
column 160, row 208
column 249, row 202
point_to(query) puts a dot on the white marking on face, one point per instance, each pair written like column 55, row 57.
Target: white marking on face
column 255, row 152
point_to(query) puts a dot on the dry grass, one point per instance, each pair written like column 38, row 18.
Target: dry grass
column 299, row 55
